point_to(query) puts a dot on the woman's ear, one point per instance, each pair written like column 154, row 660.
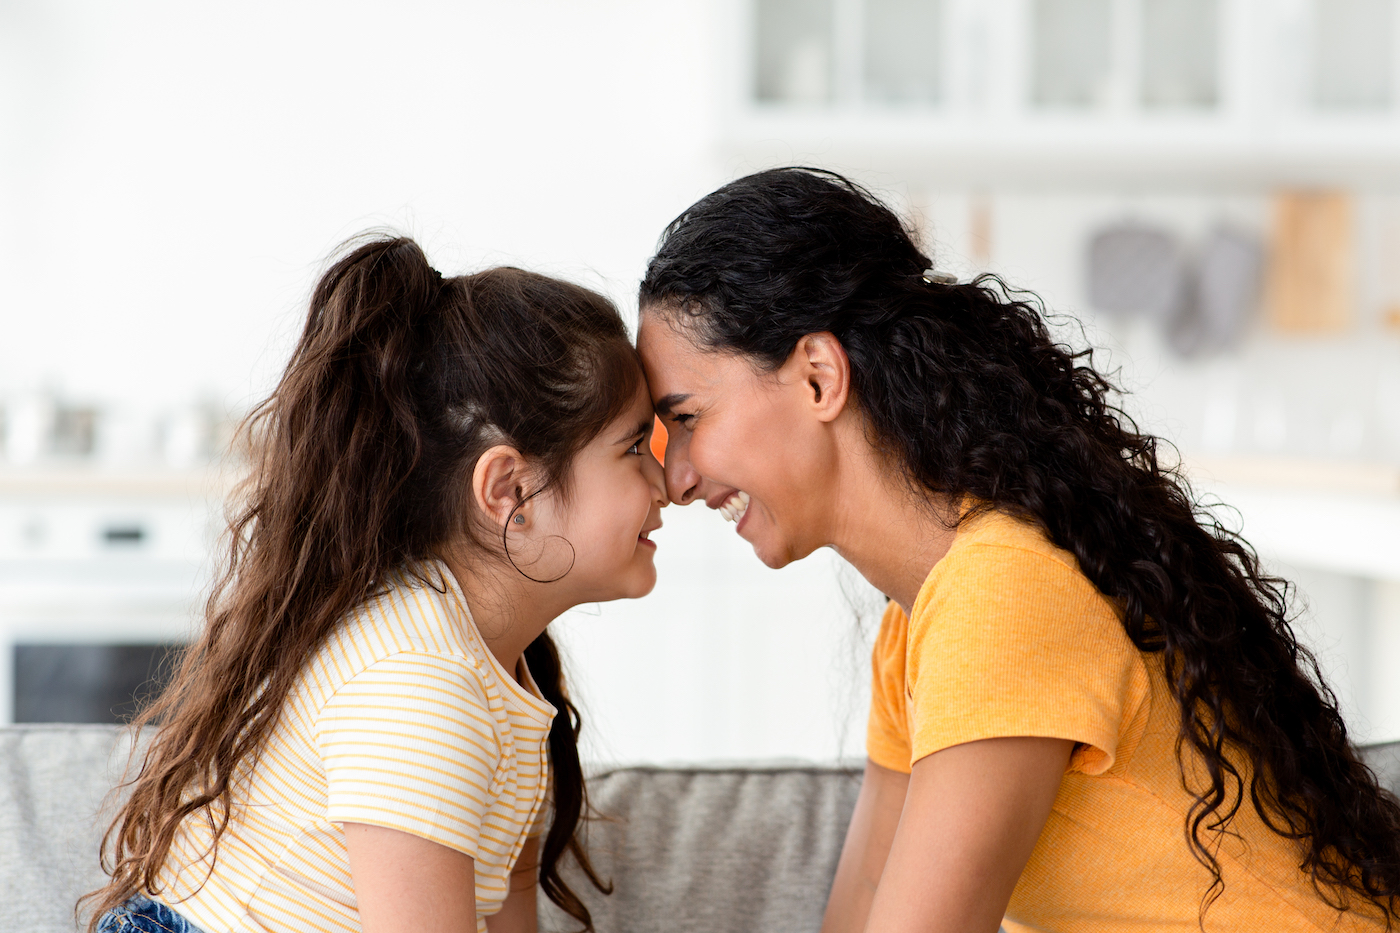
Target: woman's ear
column 825, row 370
column 498, row 483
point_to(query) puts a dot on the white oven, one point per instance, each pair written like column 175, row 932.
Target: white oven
column 97, row 568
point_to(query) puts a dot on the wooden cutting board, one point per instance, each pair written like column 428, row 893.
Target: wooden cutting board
column 1311, row 282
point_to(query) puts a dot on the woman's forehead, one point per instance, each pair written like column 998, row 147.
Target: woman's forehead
column 668, row 355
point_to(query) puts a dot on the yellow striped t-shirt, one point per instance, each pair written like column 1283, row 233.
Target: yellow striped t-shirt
column 403, row 719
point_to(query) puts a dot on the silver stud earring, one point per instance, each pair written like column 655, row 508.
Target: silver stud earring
column 520, row 519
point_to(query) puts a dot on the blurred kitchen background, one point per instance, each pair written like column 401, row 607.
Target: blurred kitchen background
column 1206, row 190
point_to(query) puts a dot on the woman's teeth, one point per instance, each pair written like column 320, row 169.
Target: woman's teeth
column 735, row 507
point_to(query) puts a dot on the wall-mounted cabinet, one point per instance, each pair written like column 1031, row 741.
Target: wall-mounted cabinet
column 1257, row 92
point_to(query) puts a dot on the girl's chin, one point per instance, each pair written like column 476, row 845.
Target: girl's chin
column 646, row 579
column 637, row 580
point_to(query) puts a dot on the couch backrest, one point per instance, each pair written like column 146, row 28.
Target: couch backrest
column 750, row 847
column 738, row 848
column 53, row 782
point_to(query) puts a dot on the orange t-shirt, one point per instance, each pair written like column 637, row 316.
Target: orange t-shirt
column 1008, row 638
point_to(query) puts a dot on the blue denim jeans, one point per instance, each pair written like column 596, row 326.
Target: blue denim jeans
column 140, row 914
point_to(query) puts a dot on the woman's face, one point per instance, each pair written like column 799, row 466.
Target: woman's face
column 756, row 446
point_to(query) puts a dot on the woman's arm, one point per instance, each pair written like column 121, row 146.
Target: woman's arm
column 971, row 818
column 517, row 914
column 406, row 884
column 867, row 844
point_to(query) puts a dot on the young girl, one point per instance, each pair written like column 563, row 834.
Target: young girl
column 372, row 731
column 1090, row 712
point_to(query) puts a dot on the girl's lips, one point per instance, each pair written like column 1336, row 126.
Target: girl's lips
column 643, row 539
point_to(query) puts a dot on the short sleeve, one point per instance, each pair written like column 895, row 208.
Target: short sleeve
column 887, row 734
column 409, row 744
column 1012, row 642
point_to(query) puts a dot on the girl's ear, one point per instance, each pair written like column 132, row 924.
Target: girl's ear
column 498, row 482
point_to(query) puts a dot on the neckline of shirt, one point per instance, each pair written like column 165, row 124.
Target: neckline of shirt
column 526, row 693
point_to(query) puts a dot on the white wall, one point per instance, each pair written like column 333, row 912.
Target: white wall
column 174, row 173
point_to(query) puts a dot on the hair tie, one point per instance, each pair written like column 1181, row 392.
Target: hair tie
column 933, row 277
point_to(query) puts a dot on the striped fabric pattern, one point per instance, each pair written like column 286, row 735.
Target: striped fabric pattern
column 403, row 719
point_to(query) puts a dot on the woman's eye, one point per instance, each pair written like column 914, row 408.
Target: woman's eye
column 683, row 420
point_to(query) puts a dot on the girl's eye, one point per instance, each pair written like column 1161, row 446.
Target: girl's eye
column 635, row 449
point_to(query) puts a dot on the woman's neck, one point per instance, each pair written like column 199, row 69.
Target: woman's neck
column 889, row 532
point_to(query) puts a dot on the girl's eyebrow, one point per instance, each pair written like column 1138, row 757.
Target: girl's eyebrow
column 640, row 430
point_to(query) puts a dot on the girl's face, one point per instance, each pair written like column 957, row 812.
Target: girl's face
column 616, row 495
column 757, row 446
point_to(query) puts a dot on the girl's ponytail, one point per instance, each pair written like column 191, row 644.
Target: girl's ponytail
column 570, row 793
column 333, row 444
column 400, row 381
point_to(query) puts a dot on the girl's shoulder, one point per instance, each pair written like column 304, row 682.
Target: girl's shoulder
column 419, row 610
column 418, row 616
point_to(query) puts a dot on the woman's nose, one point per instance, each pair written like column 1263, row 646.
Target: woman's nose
column 682, row 481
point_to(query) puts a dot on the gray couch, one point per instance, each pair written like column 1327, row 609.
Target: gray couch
column 733, row 848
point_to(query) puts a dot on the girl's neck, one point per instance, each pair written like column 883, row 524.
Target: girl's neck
column 510, row 610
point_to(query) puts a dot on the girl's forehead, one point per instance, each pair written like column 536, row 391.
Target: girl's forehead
column 640, row 405
column 637, row 413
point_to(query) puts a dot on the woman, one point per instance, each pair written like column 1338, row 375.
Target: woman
column 1089, row 710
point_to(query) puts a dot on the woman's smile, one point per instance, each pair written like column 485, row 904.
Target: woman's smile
column 735, row 508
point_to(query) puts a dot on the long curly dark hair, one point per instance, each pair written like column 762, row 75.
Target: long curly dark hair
column 364, row 454
column 966, row 387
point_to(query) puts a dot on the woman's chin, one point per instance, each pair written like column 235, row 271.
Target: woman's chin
column 772, row 554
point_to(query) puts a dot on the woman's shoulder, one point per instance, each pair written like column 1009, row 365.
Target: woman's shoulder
column 995, row 532
column 995, row 552
column 1004, row 587
column 1008, row 638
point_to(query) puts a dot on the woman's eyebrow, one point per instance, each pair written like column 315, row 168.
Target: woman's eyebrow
column 668, row 402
